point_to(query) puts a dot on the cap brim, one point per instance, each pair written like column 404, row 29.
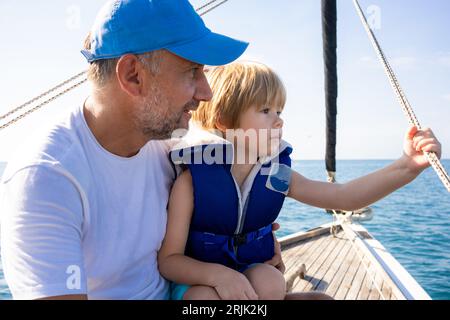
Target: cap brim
column 213, row 49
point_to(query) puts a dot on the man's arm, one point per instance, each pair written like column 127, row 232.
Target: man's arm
column 41, row 231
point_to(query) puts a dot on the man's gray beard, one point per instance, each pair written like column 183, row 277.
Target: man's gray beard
column 155, row 119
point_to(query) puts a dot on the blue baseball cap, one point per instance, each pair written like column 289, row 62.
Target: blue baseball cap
column 140, row 26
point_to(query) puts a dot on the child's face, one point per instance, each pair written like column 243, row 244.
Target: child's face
column 267, row 124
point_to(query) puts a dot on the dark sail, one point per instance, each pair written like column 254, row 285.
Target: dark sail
column 329, row 35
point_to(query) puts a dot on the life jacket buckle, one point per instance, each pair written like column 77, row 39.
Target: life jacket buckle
column 239, row 239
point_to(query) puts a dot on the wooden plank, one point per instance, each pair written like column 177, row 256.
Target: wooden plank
column 304, row 253
column 326, row 273
column 386, row 290
column 372, row 280
column 311, row 237
column 313, row 254
column 375, row 290
column 362, row 283
column 293, row 246
column 393, row 296
column 314, row 266
column 332, row 272
column 295, row 253
column 342, row 272
column 364, row 289
column 372, row 283
column 348, row 277
column 294, row 262
column 301, row 236
column 364, row 250
column 381, row 276
column 326, row 265
column 369, row 280
column 356, row 283
column 366, row 286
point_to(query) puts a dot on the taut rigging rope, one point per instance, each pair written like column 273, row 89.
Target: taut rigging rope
column 40, row 105
column 41, row 96
column 431, row 156
column 210, row 8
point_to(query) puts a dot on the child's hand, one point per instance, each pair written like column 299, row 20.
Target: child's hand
column 233, row 285
column 277, row 259
column 416, row 143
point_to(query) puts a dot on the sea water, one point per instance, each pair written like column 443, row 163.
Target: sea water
column 413, row 223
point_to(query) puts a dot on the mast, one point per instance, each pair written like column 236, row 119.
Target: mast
column 329, row 35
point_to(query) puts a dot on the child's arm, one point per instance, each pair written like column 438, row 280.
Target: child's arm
column 177, row 267
column 362, row 192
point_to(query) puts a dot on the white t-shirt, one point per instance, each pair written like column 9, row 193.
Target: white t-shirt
column 76, row 219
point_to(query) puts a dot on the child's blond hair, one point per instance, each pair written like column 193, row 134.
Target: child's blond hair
column 235, row 88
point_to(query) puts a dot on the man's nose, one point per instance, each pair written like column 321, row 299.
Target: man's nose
column 203, row 92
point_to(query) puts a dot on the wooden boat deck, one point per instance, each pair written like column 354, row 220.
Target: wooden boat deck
column 342, row 266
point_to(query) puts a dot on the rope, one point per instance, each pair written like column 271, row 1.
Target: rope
column 41, row 96
column 407, row 109
column 205, row 5
column 23, row 115
column 70, row 80
column 212, row 8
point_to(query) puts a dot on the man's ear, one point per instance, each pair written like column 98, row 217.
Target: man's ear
column 130, row 74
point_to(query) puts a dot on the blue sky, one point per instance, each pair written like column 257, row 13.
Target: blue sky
column 41, row 42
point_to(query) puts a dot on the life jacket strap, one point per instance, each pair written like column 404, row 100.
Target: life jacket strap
column 240, row 239
column 234, row 240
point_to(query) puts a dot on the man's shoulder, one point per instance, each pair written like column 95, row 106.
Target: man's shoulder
column 53, row 147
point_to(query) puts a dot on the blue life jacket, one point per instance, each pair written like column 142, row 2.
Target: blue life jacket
column 231, row 227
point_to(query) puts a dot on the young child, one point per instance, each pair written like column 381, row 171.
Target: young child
column 222, row 206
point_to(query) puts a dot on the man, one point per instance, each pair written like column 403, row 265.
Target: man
column 84, row 209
